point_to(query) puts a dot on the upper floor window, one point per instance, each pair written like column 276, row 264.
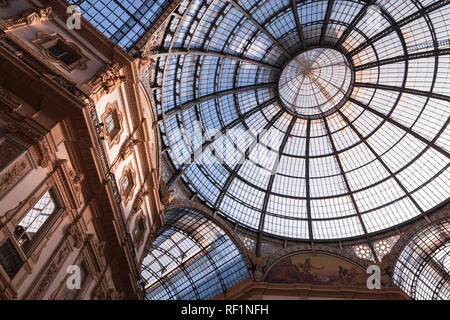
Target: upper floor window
column 60, row 51
column 30, row 225
column 127, row 183
column 112, row 124
column 64, row 53
column 139, row 231
column 112, row 121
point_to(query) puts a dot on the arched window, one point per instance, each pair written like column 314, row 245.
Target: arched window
column 192, row 258
column 423, row 268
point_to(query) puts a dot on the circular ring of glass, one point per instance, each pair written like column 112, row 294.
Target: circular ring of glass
column 316, row 83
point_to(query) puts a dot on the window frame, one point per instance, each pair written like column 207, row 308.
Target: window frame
column 130, row 174
column 45, row 41
column 46, row 226
column 112, row 108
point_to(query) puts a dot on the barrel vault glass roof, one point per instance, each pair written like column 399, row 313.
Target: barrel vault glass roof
column 423, row 268
column 191, row 259
column 378, row 161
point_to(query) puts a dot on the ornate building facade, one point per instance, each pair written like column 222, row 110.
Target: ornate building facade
column 94, row 183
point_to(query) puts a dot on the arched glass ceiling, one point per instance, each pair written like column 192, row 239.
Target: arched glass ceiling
column 378, row 161
column 192, row 258
column 122, row 21
column 423, row 268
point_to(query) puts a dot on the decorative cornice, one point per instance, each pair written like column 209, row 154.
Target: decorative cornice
column 29, row 16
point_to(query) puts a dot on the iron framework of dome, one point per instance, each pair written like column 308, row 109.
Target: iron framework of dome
column 375, row 158
column 192, row 258
column 423, row 267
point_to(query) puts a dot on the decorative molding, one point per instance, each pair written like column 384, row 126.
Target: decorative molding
column 30, row 136
column 74, row 235
column 129, row 172
column 113, row 107
column 137, row 204
column 138, row 242
column 51, row 271
column 76, row 180
column 7, row 103
column 29, row 16
column 13, row 174
column 42, row 153
column 44, row 40
column 8, row 152
column 107, row 80
column 126, row 150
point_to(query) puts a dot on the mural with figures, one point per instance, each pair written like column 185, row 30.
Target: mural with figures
column 316, row 268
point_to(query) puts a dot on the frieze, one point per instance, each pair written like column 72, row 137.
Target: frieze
column 51, row 272
column 13, row 174
column 29, row 16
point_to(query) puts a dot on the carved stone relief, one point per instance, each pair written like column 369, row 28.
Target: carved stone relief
column 108, row 80
column 29, row 16
column 8, row 152
column 29, row 136
column 139, row 201
column 114, row 137
column 74, row 235
column 76, row 179
column 51, row 272
column 126, row 150
column 13, row 174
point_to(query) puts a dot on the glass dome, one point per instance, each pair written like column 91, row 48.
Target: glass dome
column 356, row 92
column 315, row 83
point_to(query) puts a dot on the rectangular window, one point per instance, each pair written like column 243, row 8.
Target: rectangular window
column 126, row 183
column 64, row 53
column 111, row 124
column 10, row 258
column 139, row 232
column 28, row 228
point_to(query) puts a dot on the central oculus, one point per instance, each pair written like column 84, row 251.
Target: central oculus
column 316, row 83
